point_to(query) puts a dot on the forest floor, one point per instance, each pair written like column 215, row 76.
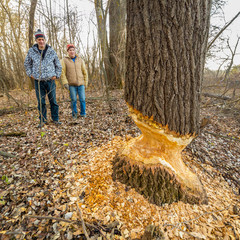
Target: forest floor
column 59, row 177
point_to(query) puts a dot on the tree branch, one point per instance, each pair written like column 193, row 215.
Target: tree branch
column 83, row 224
column 6, row 154
column 221, row 31
column 216, row 96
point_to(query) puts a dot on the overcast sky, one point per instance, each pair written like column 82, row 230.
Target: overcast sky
column 233, row 31
column 231, row 9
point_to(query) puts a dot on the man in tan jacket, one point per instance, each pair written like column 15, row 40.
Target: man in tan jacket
column 75, row 78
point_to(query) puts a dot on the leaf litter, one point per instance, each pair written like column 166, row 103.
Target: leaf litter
column 60, row 169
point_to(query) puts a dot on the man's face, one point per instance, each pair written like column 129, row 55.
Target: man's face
column 41, row 42
column 71, row 52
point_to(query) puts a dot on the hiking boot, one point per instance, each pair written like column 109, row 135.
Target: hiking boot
column 75, row 116
column 57, row 122
column 41, row 124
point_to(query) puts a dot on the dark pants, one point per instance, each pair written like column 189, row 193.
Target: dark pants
column 46, row 87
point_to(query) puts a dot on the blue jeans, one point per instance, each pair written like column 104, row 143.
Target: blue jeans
column 46, row 87
column 80, row 90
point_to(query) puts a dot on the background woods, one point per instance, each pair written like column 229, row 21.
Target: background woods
column 62, row 23
column 104, row 48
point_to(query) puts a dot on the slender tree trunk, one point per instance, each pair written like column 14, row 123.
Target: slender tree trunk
column 13, row 30
column 16, row 37
column 165, row 54
column 102, row 33
column 31, row 22
column 10, row 83
column 68, row 22
column 117, row 13
column 30, row 32
column 51, row 32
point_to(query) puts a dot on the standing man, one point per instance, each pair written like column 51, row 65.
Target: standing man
column 42, row 65
column 75, row 79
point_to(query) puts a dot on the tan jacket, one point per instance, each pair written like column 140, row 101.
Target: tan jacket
column 74, row 73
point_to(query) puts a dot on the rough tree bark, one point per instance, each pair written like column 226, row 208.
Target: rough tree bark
column 31, row 22
column 165, row 53
column 10, row 82
column 102, row 34
column 30, row 32
column 117, row 13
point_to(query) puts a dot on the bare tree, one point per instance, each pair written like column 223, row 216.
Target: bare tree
column 228, row 70
column 31, row 21
column 13, row 42
column 101, row 15
column 117, row 13
column 222, row 30
column 31, row 30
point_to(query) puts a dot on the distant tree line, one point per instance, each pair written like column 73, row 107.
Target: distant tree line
column 62, row 23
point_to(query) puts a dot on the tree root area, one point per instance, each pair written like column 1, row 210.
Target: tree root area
column 155, row 182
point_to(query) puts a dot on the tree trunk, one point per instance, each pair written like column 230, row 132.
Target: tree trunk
column 165, row 53
column 68, row 22
column 13, row 22
column 102, row 33
column 117, row 12
column 31, row 22
column 10, row 83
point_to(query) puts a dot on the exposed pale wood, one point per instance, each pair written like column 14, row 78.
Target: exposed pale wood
column 165, row 56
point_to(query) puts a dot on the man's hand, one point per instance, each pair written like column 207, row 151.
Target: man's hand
column 53, row 78
column 32, row 77
column 66, row 86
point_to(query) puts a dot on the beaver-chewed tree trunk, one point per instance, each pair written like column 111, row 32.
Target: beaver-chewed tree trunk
column 165, row 54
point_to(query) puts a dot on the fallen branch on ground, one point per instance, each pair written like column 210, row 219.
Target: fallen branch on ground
column 13, row 134
column 90, row 226
column 216, row 96
column 83, row 224
column 223, row 136
column 6, row 154
column 51, row 218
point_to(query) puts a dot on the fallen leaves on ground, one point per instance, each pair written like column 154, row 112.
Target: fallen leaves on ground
column 58, row 167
